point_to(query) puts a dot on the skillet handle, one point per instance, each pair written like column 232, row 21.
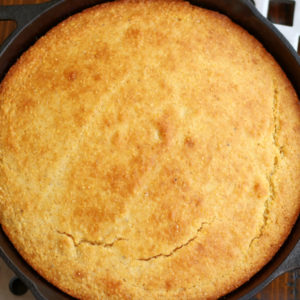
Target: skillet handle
column 29, row 26
column 23, row 15
column 291, row 263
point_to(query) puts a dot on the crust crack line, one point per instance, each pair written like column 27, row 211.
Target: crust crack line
column 177, row 248
column 92, row 243
column 270, row 176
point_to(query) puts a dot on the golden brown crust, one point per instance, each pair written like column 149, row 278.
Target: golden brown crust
column 148, row 151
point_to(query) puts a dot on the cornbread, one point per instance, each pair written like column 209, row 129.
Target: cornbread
column 149, row 150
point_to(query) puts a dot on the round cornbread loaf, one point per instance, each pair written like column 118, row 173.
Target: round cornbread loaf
column 148, row 150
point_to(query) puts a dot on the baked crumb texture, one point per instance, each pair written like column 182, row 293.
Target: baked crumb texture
column 149, row 150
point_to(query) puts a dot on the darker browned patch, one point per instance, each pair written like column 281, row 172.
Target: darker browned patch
column 94, row 216
column 89, row 211
column 71, row 75
column 172, row 215
column 93, row 213
column 97, row 77
column 78, row 274
column 295, row 128
column 103, row 53
column 26, row 105
column 133, row 36
column 63, row 244
column 200, row 248
column 9, row 142
column 120, row 117
column 163, row 85
column 169, row 284
column 154, row 37
column 123, row 180
column 112, row 287
column 173, row 231
column 164, row 131
column 94, row 168
column 255, row 61
column 108, row 121
column 189, row 142
column 179, row 183
column 79, row 116
column 170, row 62
column 115, row 139
column 196, row 202
column 259, row 190
column 120, row 181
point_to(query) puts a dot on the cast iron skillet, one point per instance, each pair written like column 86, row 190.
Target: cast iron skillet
column 35, row 20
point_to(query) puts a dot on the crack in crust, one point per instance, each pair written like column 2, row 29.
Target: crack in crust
column 177, row 248
column 92, row 243
column 118, row 239
column 279, row 154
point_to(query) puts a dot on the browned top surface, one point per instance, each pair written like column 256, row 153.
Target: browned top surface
column 148, row 150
